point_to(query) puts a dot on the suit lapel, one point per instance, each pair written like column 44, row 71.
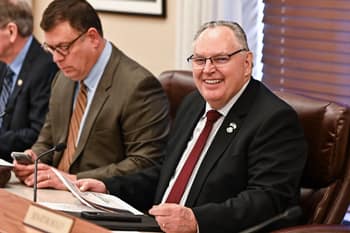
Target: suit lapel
column 181, row 137
column 26, row 66
column 21, row 79
column 223, row 139
column 100, row 97
column 64, row 111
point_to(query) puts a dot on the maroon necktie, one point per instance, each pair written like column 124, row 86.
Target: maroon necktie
column 182, row 180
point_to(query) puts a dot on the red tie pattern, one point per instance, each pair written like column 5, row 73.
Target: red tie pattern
column 74, row 126
column 181, row 182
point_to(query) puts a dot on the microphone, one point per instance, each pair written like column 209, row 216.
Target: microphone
column 59, row 147
column 290, row 213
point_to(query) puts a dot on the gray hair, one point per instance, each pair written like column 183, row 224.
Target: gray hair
column 235, row 27
column 18, row 12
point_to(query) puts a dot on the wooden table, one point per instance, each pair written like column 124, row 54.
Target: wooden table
column 15, row 199
column 13, row 209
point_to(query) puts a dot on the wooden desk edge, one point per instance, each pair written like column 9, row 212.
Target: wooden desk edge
column 14, row 208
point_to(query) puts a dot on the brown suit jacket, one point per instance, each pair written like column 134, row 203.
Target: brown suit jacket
column 126, row 127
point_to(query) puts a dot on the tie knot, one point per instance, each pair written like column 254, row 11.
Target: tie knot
column 213, row 115
column 83, row 87
column 82, row 84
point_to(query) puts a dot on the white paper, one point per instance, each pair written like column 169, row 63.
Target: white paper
column 96, row 200
column 4, row 163
column 71, row 187
column 67, row 207
column 109, row 201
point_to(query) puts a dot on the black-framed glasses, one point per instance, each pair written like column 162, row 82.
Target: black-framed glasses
column 217, row 61
column 62, row 48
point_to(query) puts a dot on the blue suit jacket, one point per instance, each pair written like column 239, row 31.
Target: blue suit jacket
column 28, row 103
column 246, row 177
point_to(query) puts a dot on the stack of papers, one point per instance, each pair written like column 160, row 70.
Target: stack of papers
column 4, row 164
column 106, row 202
column 99, row 201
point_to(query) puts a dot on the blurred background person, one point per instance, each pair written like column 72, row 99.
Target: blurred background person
column 26, row 72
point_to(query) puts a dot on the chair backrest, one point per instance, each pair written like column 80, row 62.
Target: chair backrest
column 325, row 193
column 177, row 84
column 325, row 185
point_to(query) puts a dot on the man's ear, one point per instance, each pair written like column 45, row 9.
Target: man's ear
column 13, row 31
column 93, row 36
column 248, row 64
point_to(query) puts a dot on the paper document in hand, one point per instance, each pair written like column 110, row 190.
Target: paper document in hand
column 97, row 200
column 4, row 163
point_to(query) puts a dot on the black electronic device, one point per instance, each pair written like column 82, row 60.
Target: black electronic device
column 22, row 158
column 124, row 217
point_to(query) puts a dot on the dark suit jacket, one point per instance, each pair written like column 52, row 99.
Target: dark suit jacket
column 27, row 105
column 126, row 128
column 247, row 176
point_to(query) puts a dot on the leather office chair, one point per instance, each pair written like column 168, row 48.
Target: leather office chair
column 325, row 192
column 325, row 185
column 177, row 84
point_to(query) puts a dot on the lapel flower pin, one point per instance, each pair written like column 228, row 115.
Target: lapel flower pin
column 232, row 126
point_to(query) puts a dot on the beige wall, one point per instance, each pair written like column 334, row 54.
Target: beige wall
column 149, row 40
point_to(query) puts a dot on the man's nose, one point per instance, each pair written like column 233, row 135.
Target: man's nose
column 209, row 65
column 56, row 56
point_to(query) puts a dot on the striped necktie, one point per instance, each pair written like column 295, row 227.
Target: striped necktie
column 5, row 91
column 74, row 126
column 180, row 184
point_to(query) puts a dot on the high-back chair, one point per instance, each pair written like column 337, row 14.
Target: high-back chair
column 325, row 185
column 325, row 193
column 177, row 84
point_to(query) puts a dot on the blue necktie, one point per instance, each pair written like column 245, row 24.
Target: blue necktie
column 5, row 91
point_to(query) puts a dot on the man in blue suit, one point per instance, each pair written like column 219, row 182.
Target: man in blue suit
column 250, row 166
column 24, row 108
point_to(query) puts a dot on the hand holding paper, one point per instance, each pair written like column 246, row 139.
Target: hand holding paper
column 99, row 201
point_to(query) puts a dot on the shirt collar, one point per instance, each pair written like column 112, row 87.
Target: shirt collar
column 96, row 72
column 224, row 110
column 16, row 65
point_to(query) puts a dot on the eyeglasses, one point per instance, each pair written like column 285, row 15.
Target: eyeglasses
column 63, row 48
column 217, row 61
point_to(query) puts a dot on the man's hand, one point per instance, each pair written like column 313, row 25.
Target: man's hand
column 91, row 185
column 46, row 177
column 174, row 218
column 24, row 171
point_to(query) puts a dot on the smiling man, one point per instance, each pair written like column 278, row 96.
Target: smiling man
column 236, row 152
column 110, row 111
